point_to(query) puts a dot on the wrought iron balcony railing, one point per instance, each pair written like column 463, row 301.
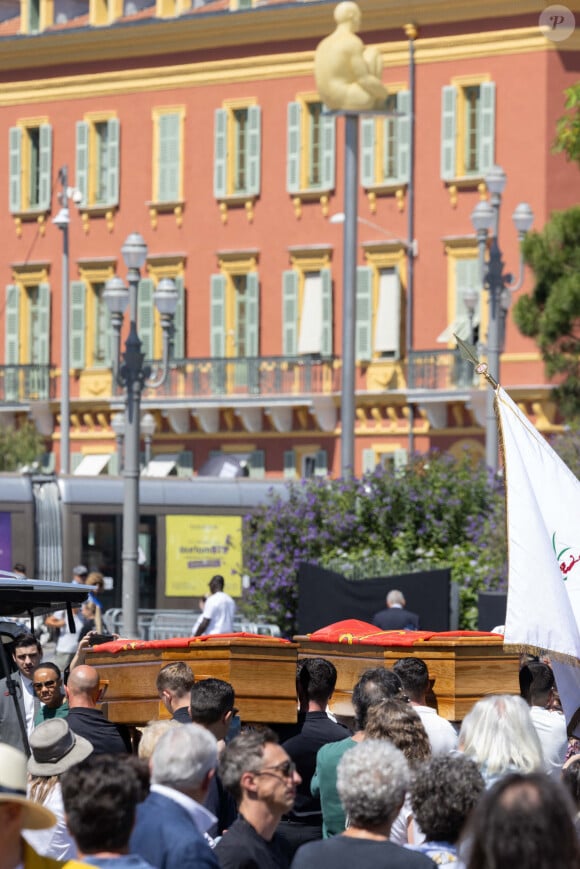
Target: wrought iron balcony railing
column 282, row 376
column 24, row 383
column 440, row 369
column 252, row 376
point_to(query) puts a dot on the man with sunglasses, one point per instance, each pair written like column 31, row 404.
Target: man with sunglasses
column 263, row 780
column 47, row 684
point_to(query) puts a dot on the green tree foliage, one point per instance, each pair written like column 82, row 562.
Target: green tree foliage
column 568, row 126
column 436, row 512
column 551, row 314
column 20, row 446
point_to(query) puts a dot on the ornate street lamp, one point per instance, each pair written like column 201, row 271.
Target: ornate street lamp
column 134, row 376
column 499, row 284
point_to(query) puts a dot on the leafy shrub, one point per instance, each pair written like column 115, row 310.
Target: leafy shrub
column 439, row 511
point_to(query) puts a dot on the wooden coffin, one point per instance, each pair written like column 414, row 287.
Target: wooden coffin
column 462, row 669
column 263, row 674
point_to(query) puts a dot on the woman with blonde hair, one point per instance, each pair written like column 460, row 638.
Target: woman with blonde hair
column 499, row 735
column 54, row 749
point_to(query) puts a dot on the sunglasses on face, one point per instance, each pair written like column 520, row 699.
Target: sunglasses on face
column 50, row 684
column 286, row 769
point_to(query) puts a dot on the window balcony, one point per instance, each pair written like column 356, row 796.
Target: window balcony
column 20, row 384
column 441, row 370
column 251, row 376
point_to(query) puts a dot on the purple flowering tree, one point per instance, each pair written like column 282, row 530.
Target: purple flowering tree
column 437, row 511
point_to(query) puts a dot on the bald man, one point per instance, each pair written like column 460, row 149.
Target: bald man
column 82, row 691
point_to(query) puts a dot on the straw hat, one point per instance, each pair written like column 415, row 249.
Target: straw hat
column 13, row 789
column 55, row 748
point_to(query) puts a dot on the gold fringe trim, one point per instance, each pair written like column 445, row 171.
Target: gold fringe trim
column 527, row 649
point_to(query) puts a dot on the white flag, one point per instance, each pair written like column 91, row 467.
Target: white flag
column 543, row 518
column 543, row 512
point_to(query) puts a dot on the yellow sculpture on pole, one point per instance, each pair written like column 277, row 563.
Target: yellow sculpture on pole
column 348, row 75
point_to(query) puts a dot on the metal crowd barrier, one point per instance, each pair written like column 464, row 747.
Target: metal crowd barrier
column 153, row 624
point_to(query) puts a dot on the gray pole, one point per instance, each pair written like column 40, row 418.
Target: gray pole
column 133, row 374
column 495, row 286
column 411, row 32
column 347, row 414
column 64, row 354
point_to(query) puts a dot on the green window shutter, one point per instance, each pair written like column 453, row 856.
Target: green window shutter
column 15, row 167
column 321, row 464
column 179, row 321
column 257, row 464
column 145, row 321
column 326, row 340
column 109, row 342
column 77, row 324
column 12, row 321
column 328, row 152
column 254, row 150
column 403, row 136
column 43, row 353
column 12, row 345
column 218, row 317
column 253, row 314
column 400, row 460
column 45, row 167
column 289, row 464
column 82, row 155
column 293, row 180
column 185, row 463
column 113, row 465
column 289, row 313
column 369, row 461
column 364, row 313
column 169, row 158
column 368, row 144
column 220, row 157
column 76, row 458
column 113, row 168
column 486, row 125
column 448, row 132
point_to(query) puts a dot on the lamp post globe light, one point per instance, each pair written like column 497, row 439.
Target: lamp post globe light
column 499, row 285
column 133, row 375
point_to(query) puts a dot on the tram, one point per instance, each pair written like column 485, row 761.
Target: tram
column 51, row 523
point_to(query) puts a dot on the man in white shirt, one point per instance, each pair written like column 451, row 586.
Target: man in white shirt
column 26, row 654
column 537, row 687
column 218, row 612
column 414, row 677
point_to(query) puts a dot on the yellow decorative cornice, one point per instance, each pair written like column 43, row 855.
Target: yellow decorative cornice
column 235, row 69
column 201, row 30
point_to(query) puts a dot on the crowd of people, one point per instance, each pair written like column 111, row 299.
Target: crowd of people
column 395, row 785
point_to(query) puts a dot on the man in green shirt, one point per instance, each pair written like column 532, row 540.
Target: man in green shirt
column 47, row 684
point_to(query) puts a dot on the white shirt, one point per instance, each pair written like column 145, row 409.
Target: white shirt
column 67, row 643
column 219, row 609
column 551, row 728
column 55, row 842
column 201, row 817
column 28, row 698
column 441, row 732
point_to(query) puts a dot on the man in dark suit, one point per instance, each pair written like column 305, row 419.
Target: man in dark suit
column 395, row 617
column 315, row 684
column 26, row 654
column 171, row 823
